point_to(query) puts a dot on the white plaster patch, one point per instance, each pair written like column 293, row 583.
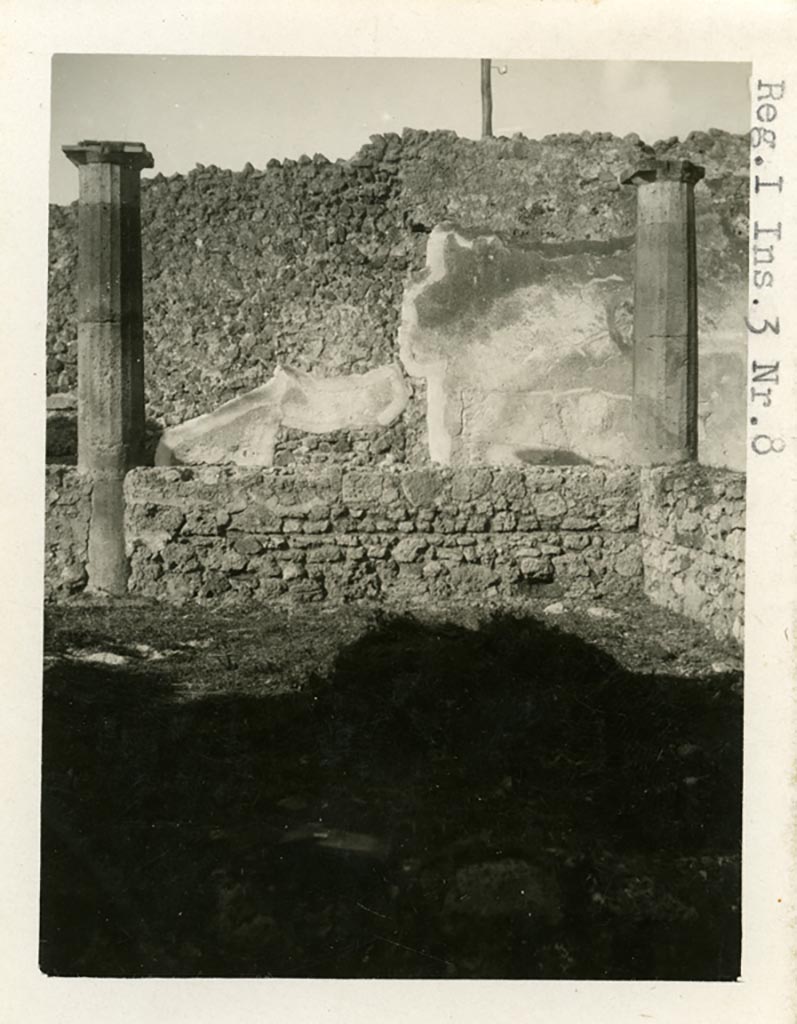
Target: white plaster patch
column 244, row 430
column 533, row 369
column 546, row 364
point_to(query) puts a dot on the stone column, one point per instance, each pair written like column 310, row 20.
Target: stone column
column 664, row 404
column 110, row 342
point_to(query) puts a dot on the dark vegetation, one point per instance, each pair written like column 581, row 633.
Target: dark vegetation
column 369, row 794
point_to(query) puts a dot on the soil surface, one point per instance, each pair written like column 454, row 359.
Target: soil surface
column 541, row 792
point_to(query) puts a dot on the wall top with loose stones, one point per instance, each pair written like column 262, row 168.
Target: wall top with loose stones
column 396, row 498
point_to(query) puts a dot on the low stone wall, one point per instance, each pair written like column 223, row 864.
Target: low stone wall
column 415, row 535
column 692, row 530
column 66, row 535
column 405, row 535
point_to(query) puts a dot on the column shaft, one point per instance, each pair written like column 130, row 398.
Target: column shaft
column 110, row 342
column 664, row 401
column 110, row 318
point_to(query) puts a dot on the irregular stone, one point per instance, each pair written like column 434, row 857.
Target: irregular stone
column 421, row 486
column 248, row 545
column 363, row 487
column 549, row 505
column 629, row 562
column 597, row 612
column 472, row 579
column 60, row 402
column 409, row 549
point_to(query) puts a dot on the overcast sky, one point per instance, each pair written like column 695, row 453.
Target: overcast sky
column 230, row 110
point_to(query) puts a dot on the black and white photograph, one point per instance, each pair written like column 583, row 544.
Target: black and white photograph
column 395, row 527
column 403, row 416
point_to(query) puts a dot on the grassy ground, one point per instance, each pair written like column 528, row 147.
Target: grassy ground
column 366, row 793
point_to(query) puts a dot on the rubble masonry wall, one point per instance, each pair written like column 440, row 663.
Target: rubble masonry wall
column 415, row 535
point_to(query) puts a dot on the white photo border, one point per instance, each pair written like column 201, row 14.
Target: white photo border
column 764, row 34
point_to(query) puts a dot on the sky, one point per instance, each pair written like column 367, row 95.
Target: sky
column 230, row 110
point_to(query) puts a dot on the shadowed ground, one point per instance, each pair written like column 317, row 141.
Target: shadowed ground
column 369, row 794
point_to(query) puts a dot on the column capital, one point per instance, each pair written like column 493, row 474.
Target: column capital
column 653, row 169
column 127, row 154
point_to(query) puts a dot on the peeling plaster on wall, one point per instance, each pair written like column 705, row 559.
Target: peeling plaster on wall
column 244, row 430
column 304, row 262
column 527, row 352
column 444, row 409
column 515, row 346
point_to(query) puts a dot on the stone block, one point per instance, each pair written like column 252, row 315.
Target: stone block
column 293, row 571
column 247, row 545
column 451, row 556
column 228, row 561
column 324, row 554
column 469, row 484
column 362, row 488
column 473, row 580
column 256, row 518
column 422, row 487
column 202, row 522
column 409, row 549
column 504, row 522
column 571, row 564
column 536, row 569
column 145, row 572
column 578, row 523
column 629, row 562
column 575, row 542
column 549, row 505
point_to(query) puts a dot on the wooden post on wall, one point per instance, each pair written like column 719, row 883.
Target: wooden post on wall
column 487, row 99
